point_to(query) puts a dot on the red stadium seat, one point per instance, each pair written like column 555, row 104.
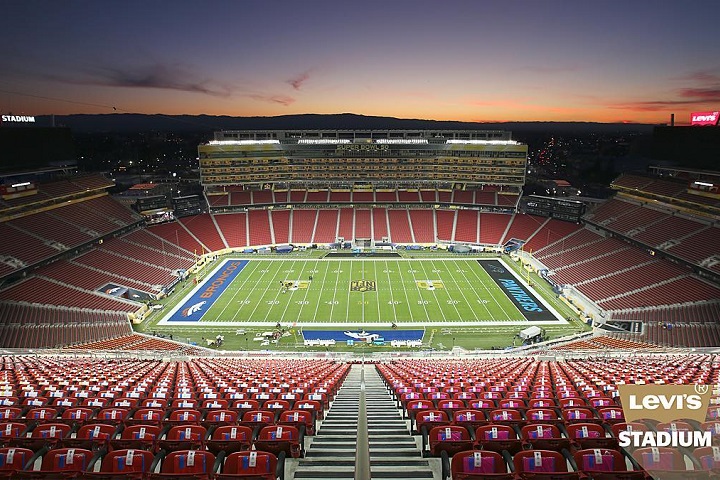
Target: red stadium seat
column 59, row 463
column 427, row 419
column 666, row 463
column 255, row 465
column 497, row 438
column 470, row 419
column 122, row 465
column 91, row 437
column 13, row 460
column 605, row 464
column 479, row 465
column 280, row 438
column 544, row 437
column 183, row 437
column 542, row 464
column 230, row 438
column 449, row 438
column 303, row 420
column 137, row 437
column 186, row 465
column 590, row 435
column 258, row 418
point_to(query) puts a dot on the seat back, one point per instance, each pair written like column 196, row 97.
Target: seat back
column 545, row 461
column 51, row 431
column 124, row 461
column 477, row 462
column 10, row 413
column 188, row 462
column 11, row 430
column 186, row 432
column 709, row 457
column 141, row 432
column 14, row 459
column 253, row 463
column 66, row 460
column 659, row 458
column 600, row 460
column 98, row 431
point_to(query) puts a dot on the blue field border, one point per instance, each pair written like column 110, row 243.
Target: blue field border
column 207, row 292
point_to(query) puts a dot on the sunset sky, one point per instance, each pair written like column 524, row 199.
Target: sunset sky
column 605, row 61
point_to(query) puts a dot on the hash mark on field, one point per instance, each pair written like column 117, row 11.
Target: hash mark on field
column 235, row 294
column 444, row 291
column 500, row 292
column 474, row 313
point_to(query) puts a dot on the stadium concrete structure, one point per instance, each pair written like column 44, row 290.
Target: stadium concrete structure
column 79, row 390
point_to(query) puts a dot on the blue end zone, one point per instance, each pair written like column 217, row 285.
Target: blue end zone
column 195, row 307
column 342, row 336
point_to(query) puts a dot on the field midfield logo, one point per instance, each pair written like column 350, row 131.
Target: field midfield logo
column 193, row 309
column 363, row 286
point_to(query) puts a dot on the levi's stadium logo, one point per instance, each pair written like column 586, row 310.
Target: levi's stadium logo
column 193, row 309
column 668, row 405
column 704, row 118
column 664, row 403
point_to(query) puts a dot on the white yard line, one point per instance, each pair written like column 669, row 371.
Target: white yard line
column 392, row 295
column 411, row 271
column 277, row 270
column 319, row 300
column 450, row 299
column 277, row 294
column 462, row 291
column 307, row 290
column 496, row 287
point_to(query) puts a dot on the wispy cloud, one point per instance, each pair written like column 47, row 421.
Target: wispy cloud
column 163, row 76
column 703, row 91
column 280, row 99
column 297, row 81
column 548, row 69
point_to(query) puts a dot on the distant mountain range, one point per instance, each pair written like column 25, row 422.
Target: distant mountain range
column 132, row 122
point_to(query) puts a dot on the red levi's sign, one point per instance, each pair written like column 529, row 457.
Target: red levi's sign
column 704, row 118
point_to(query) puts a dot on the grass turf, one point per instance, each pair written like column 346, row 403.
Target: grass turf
column 472, row 336
column 362, row 292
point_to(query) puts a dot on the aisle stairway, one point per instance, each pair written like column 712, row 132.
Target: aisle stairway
column 345, row 437
column 332, row 451
column 393, row 451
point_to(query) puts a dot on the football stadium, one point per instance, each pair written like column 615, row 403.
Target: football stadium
column 359, row 304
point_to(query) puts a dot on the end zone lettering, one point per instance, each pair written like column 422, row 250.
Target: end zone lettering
column 220, row 280
column 519, row 294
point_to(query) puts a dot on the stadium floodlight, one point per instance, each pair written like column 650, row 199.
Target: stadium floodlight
column 482, row 142
column 322, row 141
column 243, row 142
column 400, row 141
column 23, row 184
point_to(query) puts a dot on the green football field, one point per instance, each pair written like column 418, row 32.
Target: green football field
column 359, row 292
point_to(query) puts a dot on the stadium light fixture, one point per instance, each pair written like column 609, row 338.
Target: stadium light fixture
column 702, row 184
column 482, row 142
column 23, row 184
column 244, row 142
column 322, row 141
column 401, row 141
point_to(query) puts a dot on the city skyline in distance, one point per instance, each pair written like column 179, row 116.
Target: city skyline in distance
column 557, row 61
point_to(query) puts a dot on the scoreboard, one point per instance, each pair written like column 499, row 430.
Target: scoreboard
column 559, row 208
